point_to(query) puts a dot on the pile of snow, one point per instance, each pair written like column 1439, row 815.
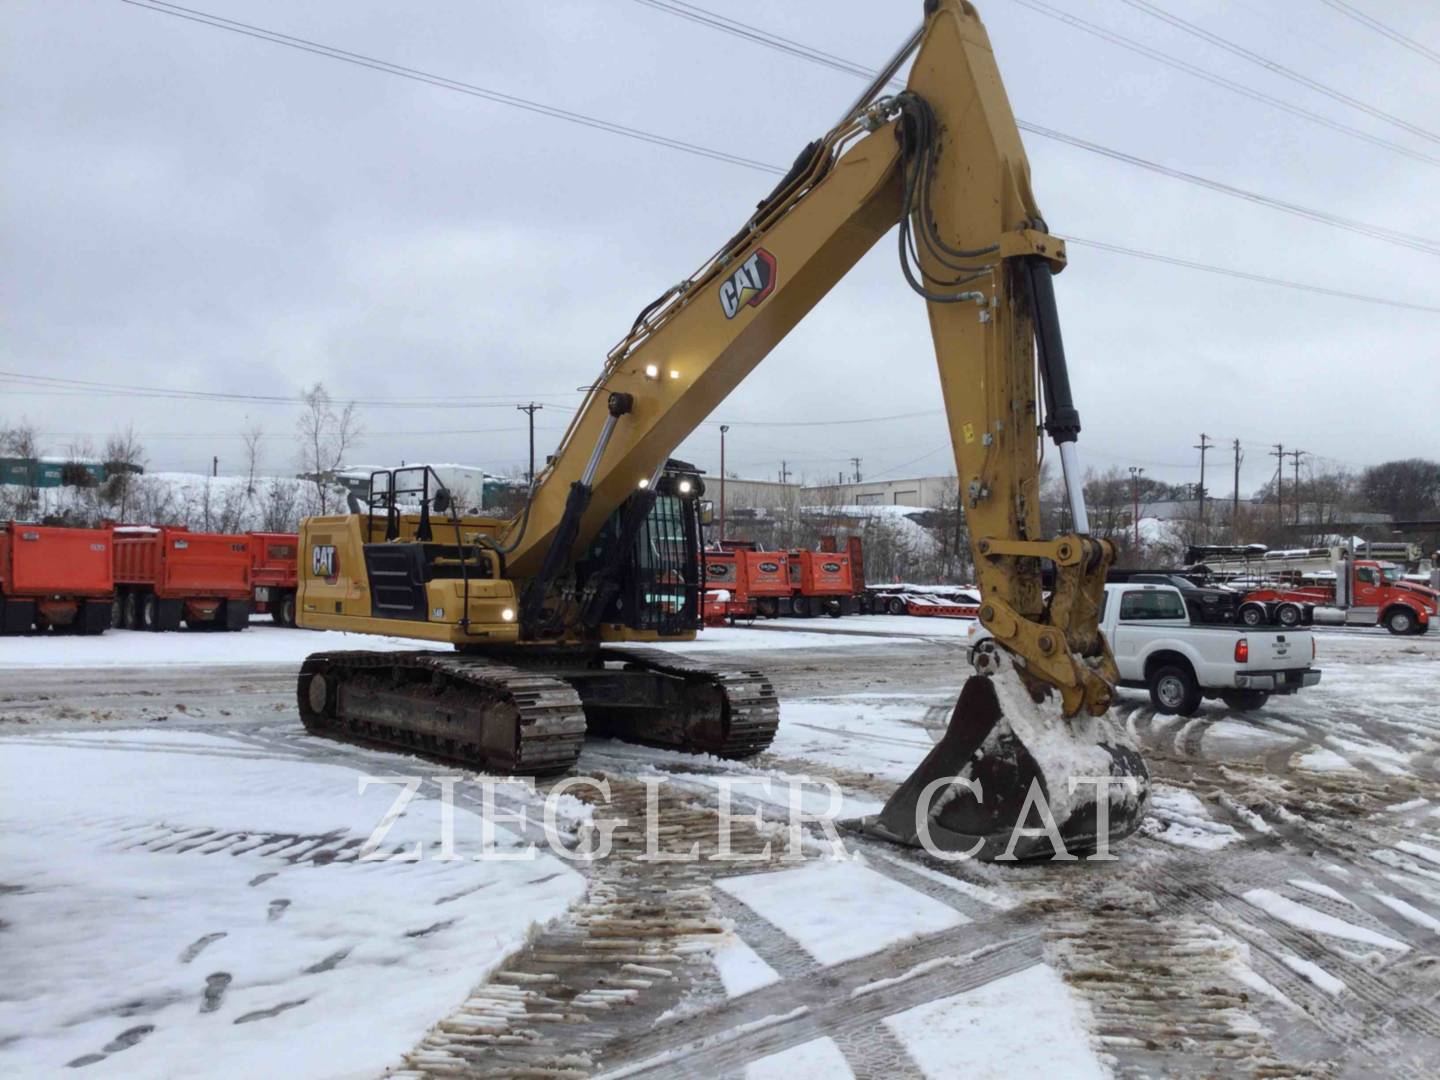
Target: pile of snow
column 184, row 904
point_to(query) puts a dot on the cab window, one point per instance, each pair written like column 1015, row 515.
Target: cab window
column 1143, row 605
column 1366, row 574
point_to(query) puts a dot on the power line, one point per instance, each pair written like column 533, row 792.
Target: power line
column 829, row 423
column 1277, row 68
column 360, row 60
column 450, row 84
column 289, row 436
column 1377, row 232
column 804, row 52
column 1198, row 72
column 89, row 387
column 1380, row 28
column 1246, row 276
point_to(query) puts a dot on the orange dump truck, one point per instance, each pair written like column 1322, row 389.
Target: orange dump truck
column 274, row 575
column 166, row 575
column 55, row 578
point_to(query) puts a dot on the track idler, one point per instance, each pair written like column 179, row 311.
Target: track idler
column 1012, row 778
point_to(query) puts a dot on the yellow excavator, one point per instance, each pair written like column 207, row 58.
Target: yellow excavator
column 548, row 611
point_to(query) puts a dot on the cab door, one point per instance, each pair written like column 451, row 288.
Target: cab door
column 1365, row 607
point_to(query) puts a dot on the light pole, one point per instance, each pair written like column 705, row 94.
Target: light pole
column 1135, row 474
column 723, row 429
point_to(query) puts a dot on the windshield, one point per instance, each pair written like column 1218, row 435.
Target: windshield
column 1392, row 574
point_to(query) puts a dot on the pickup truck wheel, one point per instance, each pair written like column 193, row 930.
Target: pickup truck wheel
column 1288, row 615
column 1244, row 700
column 1174, row 690
column 1252, row 615
column 1400, row 621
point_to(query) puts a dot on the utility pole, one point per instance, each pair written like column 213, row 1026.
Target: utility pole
column 1204, row 445
column 1295, row 488
column 1279, row 455
column 1135, row 474
column 531, row 410
column 784, row 473
column 856, row 462
column 1235, row 499
column 723, row 429
column 215, row 465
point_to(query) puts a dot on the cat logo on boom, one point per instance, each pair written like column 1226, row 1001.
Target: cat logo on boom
column 752, row 281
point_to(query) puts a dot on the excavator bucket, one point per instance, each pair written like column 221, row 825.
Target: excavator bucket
column 1011, row 778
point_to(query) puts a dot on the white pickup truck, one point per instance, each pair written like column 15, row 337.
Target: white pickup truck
column 1157, row 648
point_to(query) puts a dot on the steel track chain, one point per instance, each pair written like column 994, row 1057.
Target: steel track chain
column 551, row 729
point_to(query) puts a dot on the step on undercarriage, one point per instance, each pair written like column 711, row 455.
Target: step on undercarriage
column 526, row 714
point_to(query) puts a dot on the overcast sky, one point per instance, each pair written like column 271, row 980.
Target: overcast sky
column 189, row 208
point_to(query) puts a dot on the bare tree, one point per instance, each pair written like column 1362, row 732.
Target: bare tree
column 281, row 509
column 251, row 439
column 124, row 457
column 325, row 437
column 22, row 441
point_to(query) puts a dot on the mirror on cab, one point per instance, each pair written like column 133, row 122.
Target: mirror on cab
column 707, row 512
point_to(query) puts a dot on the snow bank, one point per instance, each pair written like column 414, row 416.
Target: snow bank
column 181, row 904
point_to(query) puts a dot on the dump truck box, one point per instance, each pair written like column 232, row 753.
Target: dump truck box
column 55, row 577
column 274, row 574
column 167, row 574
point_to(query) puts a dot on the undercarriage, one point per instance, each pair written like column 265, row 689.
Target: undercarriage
column 526, row 711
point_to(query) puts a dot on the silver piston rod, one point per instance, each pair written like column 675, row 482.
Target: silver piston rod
column 1062, row 419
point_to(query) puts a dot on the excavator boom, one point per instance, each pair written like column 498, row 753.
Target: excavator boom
column 940, row 163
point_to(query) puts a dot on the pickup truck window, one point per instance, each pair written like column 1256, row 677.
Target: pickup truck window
column 1145, row 604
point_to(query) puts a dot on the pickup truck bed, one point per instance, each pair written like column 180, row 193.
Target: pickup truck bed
column 1158, row 648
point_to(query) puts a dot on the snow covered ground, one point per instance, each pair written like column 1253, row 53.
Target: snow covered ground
column 182, row 905
column 181, row 899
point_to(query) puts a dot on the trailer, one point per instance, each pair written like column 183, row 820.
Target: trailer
column 274, row 575
column 55, row 578
column 942, row 601
column 167, row 575
column 1329, row 586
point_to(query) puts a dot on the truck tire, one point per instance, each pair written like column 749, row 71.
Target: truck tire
column 1244, row 700
column 800, row 607
column 150, row 613
column 1252, row 614
column 834, row 609
column 1400, row 620
column 895, row 606
column 132, row 611
column 287, row 609
column 1173, row 690
column 1288, row 615
column 117, row 612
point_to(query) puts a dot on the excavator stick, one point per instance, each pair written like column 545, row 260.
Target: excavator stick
column 1011, row 778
